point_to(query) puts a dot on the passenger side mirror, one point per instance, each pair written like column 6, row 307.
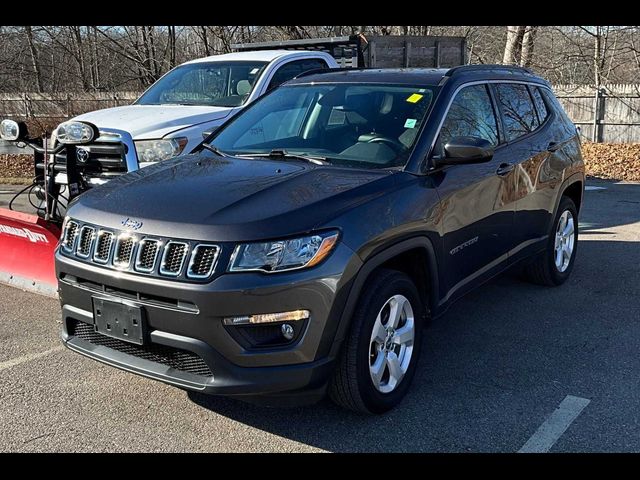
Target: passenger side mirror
column 461, row 150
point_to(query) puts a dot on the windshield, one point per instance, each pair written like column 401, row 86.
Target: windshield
column 223, row 84
column 355, row 125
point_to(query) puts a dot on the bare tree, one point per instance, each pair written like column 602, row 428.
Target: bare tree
column 34, row 57
column 513, row 46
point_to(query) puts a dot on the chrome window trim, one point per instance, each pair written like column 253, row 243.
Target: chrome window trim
column 470, row 84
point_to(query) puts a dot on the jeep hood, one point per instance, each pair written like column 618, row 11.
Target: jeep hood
column 206, row 197
column 153, row 121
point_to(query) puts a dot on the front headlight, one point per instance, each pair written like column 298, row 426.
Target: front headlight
column 283, row 255
column 157, row 150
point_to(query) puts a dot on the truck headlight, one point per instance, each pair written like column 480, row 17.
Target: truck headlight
column 158, row 150
column 76, row 133
column 283, row 255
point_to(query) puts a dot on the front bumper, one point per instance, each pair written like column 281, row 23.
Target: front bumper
column 188, row 317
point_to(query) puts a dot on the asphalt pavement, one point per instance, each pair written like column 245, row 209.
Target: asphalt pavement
column 505, row 367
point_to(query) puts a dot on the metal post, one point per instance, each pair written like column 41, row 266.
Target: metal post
column 596, row 114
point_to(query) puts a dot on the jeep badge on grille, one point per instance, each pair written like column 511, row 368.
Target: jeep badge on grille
column 132, row 224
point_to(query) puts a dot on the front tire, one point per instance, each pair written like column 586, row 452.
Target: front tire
column 553, row 266
column 379, row 357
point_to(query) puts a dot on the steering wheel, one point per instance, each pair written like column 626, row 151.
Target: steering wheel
column 395, row 145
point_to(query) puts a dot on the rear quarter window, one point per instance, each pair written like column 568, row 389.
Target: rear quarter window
column 517, row 110
column 541, row 108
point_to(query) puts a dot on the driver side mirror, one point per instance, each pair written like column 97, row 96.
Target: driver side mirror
column 465, row 150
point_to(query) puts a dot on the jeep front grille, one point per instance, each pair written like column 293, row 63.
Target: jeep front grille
column 124, row 251
column 203, row 259
column 173, row 258
column 70, row 233
column 137, row 254
column 103, row 247
column 86, row 241
column 147, row 255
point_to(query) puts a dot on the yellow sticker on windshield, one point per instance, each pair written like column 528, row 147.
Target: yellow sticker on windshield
column 415, row 98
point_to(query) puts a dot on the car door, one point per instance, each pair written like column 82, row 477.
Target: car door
column 529, row 143
column 477, row 199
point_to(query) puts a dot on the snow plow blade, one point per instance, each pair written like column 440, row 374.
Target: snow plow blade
column 27, row 245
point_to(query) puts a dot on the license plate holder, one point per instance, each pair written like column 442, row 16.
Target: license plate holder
column 119, row 319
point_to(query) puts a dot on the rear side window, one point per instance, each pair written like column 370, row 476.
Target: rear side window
column 471, row 114
column 541, row 108
column 295, row 68
column 518, row 114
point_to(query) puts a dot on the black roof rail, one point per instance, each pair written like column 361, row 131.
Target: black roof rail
column 315, row 71
column 490, row 67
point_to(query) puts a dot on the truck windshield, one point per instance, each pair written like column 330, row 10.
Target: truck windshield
column 222, row 84
column 354, row 125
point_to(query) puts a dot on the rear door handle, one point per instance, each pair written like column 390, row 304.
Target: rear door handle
column 553, row 146
column 504, row 168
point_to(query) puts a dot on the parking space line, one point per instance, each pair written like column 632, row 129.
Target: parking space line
column 552, row 429
column 27, row 358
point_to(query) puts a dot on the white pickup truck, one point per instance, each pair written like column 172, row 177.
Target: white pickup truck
column 172, row 116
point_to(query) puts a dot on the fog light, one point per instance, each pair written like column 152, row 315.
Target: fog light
column 268, row 318
column 287, row 331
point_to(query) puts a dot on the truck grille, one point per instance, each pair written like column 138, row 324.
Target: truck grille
column 133, row 253
column 99, row 157
column 179, row 359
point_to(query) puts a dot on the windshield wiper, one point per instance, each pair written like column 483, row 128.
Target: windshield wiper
column 282, row 153
column 215, row 150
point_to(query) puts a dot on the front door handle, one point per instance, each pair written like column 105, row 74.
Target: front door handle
column 505, row 168
column 553, row 146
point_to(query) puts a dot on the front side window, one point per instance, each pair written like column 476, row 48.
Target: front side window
column 518, row 114
column 353, row 125
column 471, row 114
column 293, row 69
column 223, row 84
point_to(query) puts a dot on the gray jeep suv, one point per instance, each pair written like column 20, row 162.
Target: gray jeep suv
column 304, row 245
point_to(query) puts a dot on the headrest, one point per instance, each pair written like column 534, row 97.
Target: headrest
column 243, row 87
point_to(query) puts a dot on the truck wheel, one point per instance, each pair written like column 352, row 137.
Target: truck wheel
column 553, row 266
column 379, row 357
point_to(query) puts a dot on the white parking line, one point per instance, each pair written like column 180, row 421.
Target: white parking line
column 27, row 358
column 554, row 426
column 593, row 187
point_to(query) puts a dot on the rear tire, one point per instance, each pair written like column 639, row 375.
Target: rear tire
column 379, row 356
column 553, row 266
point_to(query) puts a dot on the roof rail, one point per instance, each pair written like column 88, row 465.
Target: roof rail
column 328, row 70
column 484, row 67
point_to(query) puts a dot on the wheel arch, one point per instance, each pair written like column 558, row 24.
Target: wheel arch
column 392, row 256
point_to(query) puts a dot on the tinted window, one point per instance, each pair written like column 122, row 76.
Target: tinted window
column 518, row 115
column 540, row 106
column 349, row 124
column 295, row 68
column 471, row 114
